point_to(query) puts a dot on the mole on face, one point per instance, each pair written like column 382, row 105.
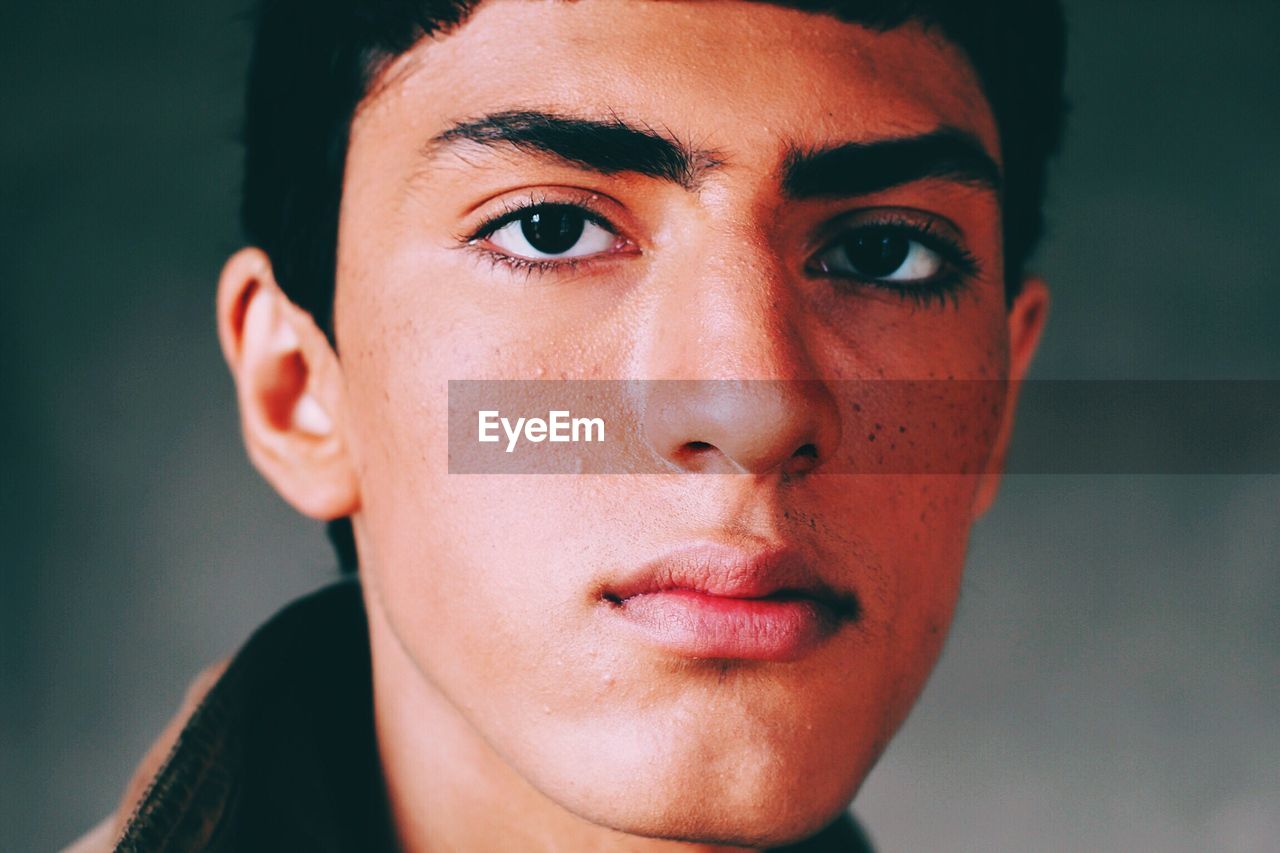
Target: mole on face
column 938, row 426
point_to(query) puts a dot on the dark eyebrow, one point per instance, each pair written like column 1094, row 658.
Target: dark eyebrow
column 861, row 168
column 607, row 146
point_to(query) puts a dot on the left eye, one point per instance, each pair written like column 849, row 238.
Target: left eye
column 552, row 231
column 883, row 255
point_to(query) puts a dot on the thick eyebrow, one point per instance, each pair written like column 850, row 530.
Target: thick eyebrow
column 608, row 146
column 861, row 168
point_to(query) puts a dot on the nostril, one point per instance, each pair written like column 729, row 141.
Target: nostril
column 802, row 461
column 698, row 456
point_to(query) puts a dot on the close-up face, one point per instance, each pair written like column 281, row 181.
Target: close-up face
column 654, row 191
column 628, row 426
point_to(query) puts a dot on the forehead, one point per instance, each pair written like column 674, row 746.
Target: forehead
column 745, row 78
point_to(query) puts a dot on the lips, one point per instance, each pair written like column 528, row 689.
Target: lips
column 714, row 601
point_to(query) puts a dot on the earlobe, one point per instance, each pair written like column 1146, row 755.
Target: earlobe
column 1026, row 320
column 289, row 390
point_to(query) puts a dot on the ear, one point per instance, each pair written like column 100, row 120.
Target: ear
column 1026, row 322
column 289, row 388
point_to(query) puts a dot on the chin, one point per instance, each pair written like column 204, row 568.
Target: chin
column 768, row 800
column 762, row 824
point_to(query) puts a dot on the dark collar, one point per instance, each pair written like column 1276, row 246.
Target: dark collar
column 280, row 754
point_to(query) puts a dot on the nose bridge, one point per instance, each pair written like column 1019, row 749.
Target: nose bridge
column 746, row 396
column 730, row 311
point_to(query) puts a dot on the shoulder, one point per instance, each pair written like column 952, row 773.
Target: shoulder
column 103, row 836
column 257, row 733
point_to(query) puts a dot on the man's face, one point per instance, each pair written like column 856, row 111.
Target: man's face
column 523, row 602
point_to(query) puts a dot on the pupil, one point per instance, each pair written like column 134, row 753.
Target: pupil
column 553, row 230
column 877, row 255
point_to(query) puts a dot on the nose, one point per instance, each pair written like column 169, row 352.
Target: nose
column 738, row 388
column 741, row 426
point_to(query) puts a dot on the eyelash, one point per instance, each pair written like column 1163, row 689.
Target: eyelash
column 962, row 266
column 512, row 211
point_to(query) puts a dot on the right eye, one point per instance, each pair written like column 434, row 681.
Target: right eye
column 551, row 231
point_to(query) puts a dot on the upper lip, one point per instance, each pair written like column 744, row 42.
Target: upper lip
column 767, row 572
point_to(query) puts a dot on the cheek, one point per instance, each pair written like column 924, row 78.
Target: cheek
column 901, row 541
column 481, row 575
column 921, row 531
column 934, row 512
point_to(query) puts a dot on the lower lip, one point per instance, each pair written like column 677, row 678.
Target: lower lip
column 698, row 625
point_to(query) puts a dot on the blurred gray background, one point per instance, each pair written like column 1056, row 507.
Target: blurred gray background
column 1111, row 680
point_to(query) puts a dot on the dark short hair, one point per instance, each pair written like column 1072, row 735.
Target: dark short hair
column 313, row 61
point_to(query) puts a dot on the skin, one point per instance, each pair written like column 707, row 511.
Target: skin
column 513, row 711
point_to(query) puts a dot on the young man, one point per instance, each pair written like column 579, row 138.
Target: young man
column 815, row 196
